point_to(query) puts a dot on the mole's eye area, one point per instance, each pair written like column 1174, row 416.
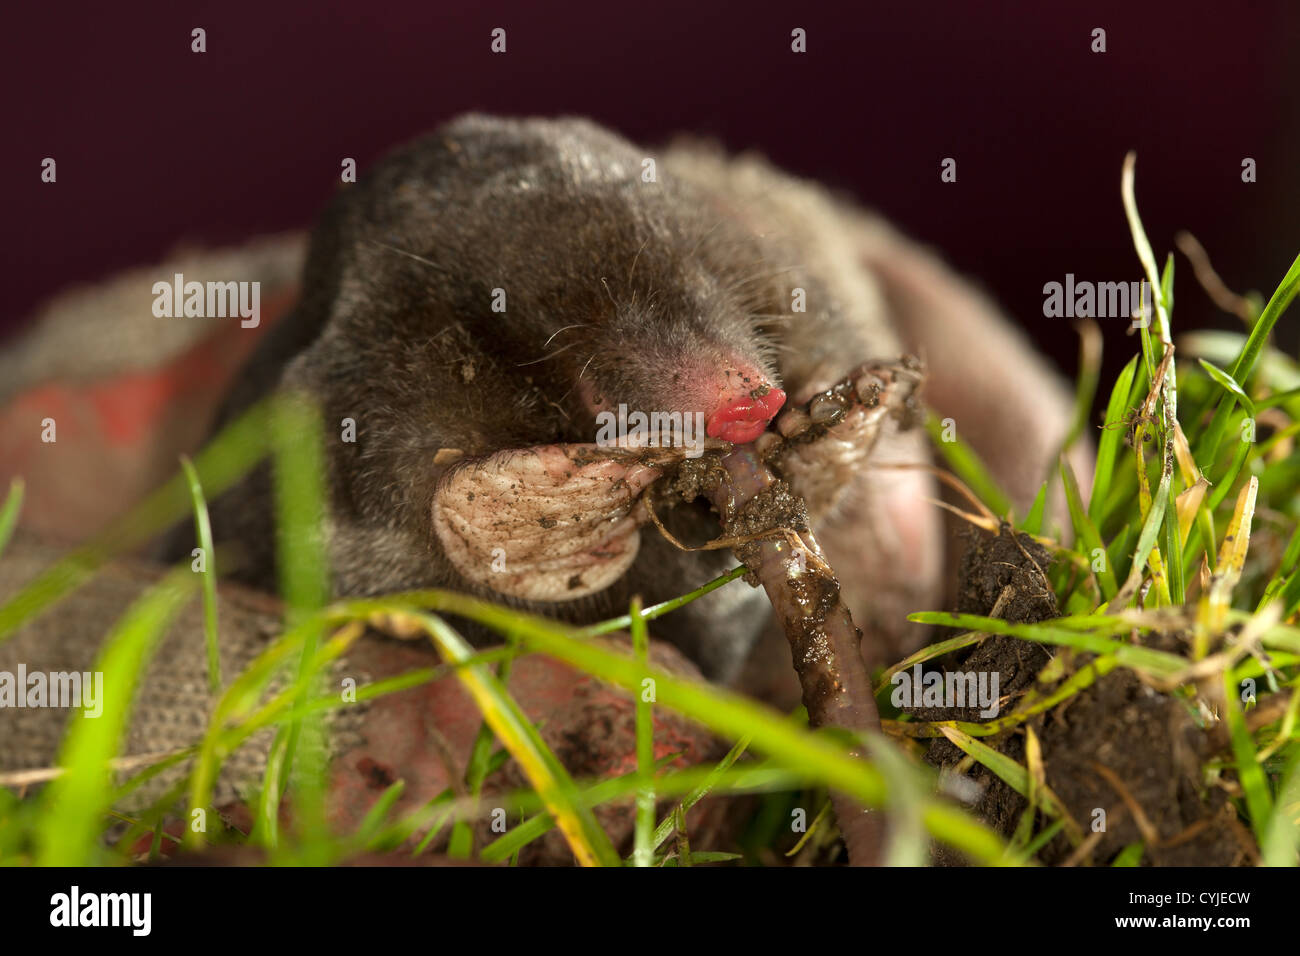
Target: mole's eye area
column 742, row 419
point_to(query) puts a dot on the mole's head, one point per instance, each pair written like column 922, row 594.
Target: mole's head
column 680, row 332
column 656, row 363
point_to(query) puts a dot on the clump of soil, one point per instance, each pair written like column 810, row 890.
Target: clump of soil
column 1006, row 576
column 1000, row 576
column 1119, row 747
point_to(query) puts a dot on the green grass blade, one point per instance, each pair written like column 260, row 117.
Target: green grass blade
column 1033, row 523
column 297, row 437
column 1111, row 437
column 908, row 843
column 1131, row 855
column 1085, row 531
column 1290, row 559
column 533, row 827
column 1174, row 550
column 461, row 846
column 1208, row 447
column 968, row 467
column 203, row 534
column 9, row 512
column 1146, row 539
column 1085, row 387
column 1259, row 802
column 1012, row 774
column 643, row 851
column 75, row 802
column 665, row 828
column 588, row 841
column 378, row 813
column 817, row 754
column 1157, row 663
column 1167, row 284
column 1229, row 384
column 658, row 610
column 1282, row 831
column 222, row 463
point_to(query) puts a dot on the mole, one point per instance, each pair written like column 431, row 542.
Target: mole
column 488, row 294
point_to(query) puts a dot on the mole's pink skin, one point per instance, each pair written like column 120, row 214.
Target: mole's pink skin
column 746, row 418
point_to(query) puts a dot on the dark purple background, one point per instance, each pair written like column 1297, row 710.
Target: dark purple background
column 156, row 145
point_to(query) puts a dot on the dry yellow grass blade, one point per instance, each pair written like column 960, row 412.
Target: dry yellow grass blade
column 1217, row 599
column 1189, row 503
column 1186, row 463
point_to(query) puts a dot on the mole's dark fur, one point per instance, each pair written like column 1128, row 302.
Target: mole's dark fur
column 616, row 289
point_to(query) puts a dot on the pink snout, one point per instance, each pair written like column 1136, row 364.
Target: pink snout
column 744, row 419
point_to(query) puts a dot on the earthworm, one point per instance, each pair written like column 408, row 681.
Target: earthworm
column 768, row 527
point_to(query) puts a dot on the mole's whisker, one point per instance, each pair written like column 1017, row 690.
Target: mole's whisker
column 403, row 252
column 560, row 351
column 576, row 325
column 635, row 258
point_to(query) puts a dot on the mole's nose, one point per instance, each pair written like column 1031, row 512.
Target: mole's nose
column 741, row 420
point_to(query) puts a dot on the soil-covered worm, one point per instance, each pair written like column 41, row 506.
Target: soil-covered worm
column 767, row 527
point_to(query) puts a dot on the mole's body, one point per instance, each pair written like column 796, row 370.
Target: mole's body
column 481, row 296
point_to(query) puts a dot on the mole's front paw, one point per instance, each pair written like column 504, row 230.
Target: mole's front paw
column 829, row 437
column 550, row 523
